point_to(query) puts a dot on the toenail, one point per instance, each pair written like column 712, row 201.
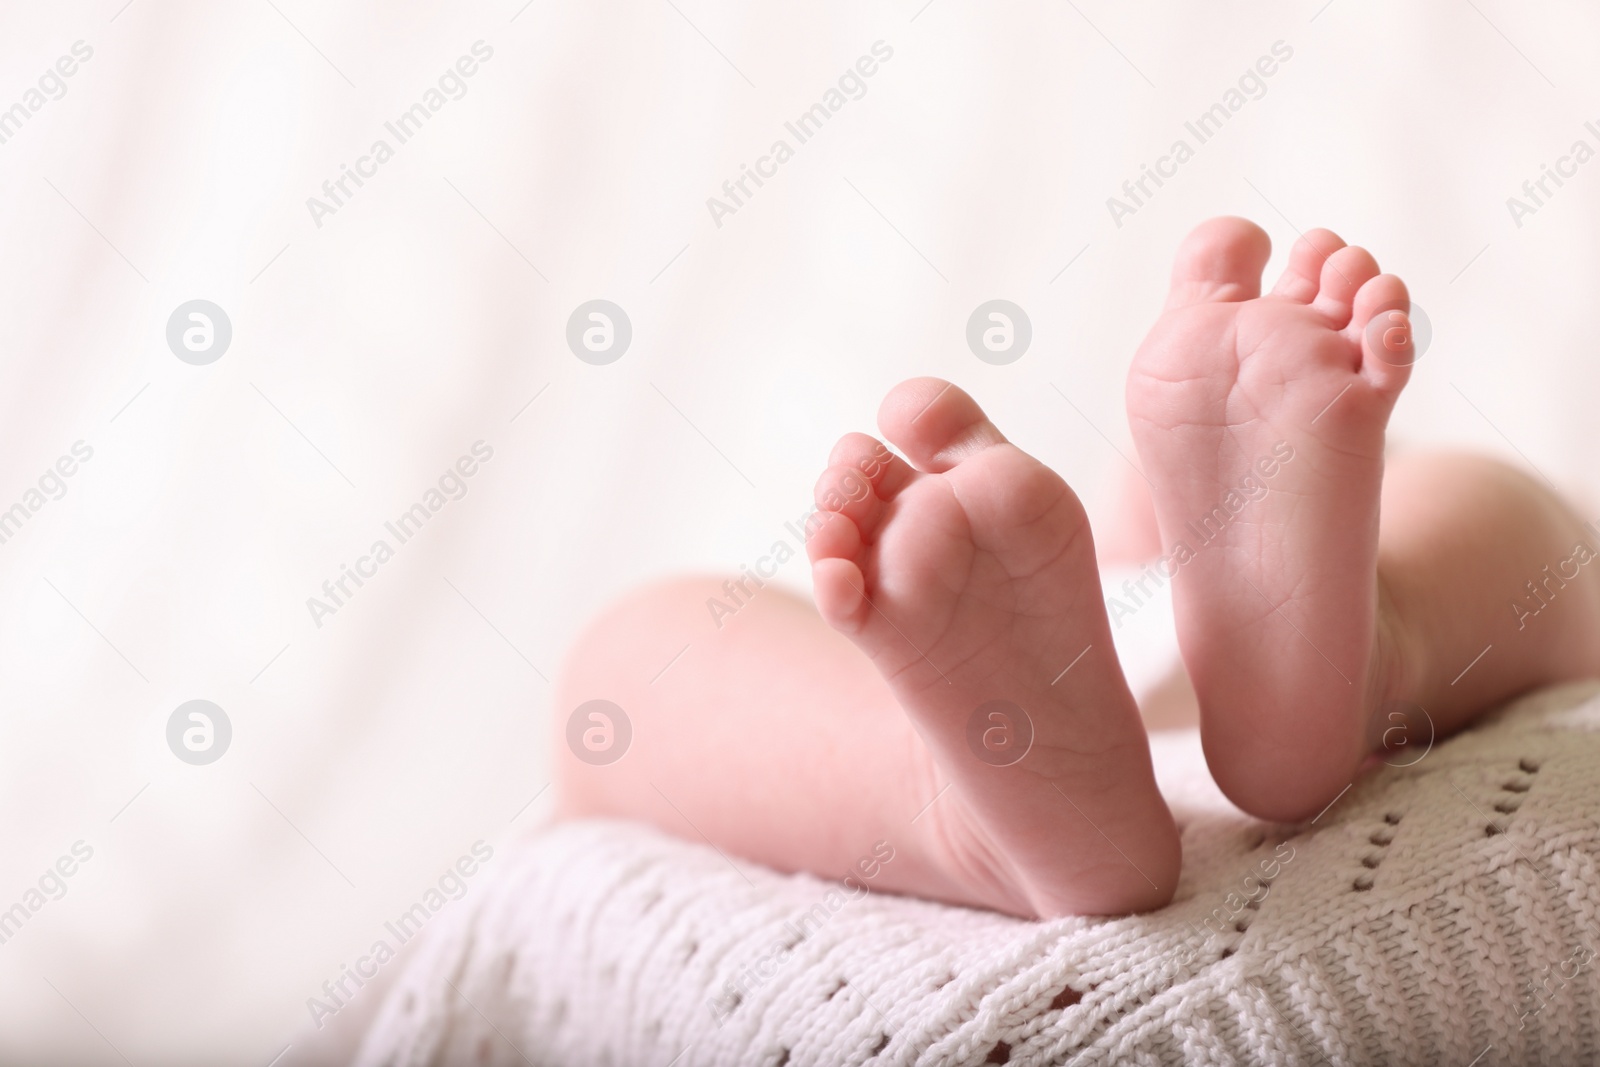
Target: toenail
column 999, row 733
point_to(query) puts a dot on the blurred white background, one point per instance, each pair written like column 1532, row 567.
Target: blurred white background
column 369, row 352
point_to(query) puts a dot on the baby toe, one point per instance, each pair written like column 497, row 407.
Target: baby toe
column 838, row 588
column 1220, row 260
column 1343, row 275
column 1302, row 278
column 1382, row 324
column 887, row 472
column 846, row 490
column 936, row 424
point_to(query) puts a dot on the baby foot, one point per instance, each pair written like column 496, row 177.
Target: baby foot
column 1260, row 420
column 970, row 581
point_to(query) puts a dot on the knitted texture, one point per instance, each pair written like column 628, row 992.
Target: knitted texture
column 1431, row 912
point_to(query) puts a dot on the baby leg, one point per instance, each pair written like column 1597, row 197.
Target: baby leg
column 1490, row 584
column 770, row 738
column 963, row 586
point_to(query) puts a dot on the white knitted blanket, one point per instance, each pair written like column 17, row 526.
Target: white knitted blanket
column 1432, row 912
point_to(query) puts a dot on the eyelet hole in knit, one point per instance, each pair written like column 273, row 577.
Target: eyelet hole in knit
column 1001, row 1053
column 1507, row 807
column 1393, row 818
column 1531, row 766
column 883, row 1043
column 1517, row 786
column 783, row 1058
column 1362, row 884
column 837, row 989
column 1371, row 862
column 1382, row 838
column 1495, row 828
column 1065, row 999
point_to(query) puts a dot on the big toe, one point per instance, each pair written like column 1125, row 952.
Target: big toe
column 1221, row 260
column 935, row 423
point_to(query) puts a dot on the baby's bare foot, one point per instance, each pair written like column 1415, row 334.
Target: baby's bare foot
column 1261, row 424
column 970, row 581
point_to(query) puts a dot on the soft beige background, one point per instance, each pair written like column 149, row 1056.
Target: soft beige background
column 374, row 751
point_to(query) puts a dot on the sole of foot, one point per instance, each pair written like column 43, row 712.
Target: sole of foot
column 1260, row 421
column 968, row 576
